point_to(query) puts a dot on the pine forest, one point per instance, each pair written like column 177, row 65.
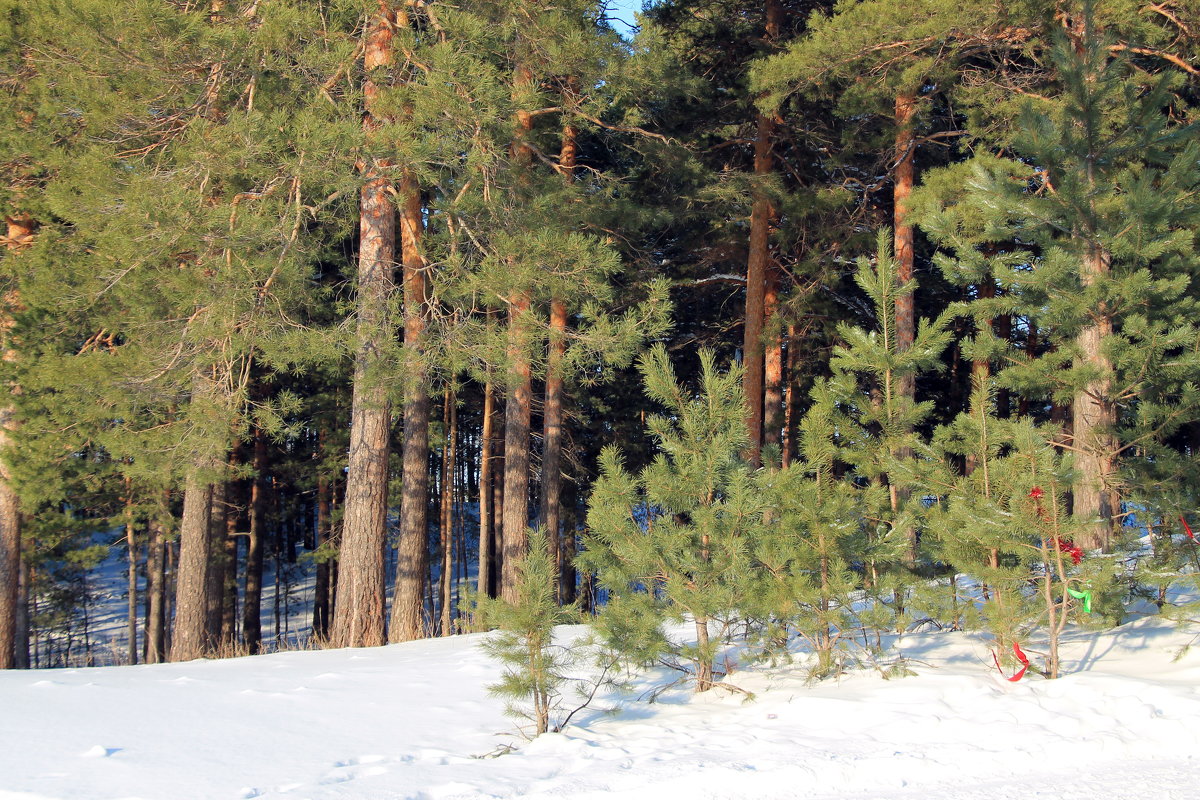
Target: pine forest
column 789, row 325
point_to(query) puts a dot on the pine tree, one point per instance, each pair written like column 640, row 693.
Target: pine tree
column 870, row 371
column 175, row 211
column 359, row 615
column 1087, row 234
column 675, row 541
column 1005, row 524
column 804, row 578
column 534, row 666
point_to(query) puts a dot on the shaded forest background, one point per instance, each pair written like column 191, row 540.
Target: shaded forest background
column 769, row 307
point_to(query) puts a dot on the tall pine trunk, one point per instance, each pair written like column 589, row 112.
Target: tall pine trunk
column 446, row 523
column 10, row 554
column 156, row 594
column 761, row 215
column 358, row 619
column 131, row 614
column 902, row 186
column 190, row 638
column 552, row 434
column 408, row 617
column 518, row 408
column 486, row 585
column 552, row 413
column 1094, row 416
column 906, row 327
column 321, row 590
column 19, row 234
column 252, row 593
column 517, row 417
column 499, row 416
column 762, row 218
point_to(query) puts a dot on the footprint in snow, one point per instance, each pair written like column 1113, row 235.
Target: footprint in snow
column 336, row 776
column 354, row 762
column 249, row 792
column 344, row 771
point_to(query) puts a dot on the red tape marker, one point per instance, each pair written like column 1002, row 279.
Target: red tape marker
column 1071, row 549
column 1024, row 659
column 1187, row 528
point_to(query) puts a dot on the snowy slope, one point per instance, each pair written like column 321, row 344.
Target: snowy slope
column 408, row 721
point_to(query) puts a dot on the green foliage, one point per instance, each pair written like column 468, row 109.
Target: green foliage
column 1002, row 521
column 877, row 427
column 1089, row 220
column 674, row 541
column 804, row 579
column 534, row 666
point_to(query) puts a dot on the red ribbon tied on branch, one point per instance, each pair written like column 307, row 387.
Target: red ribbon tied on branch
column 1024, row 659
column 1187, row 528
column 1035, row 494
column 1071, row 549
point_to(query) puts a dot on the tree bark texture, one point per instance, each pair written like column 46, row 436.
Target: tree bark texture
column 704, row 667
column 517, row 418
column 552, row 432
column 131, row 614
column 902, row 185
column 190, row 638
column 761, row 216
column 156, row 594
column 252, row 591
column 408, row 610
column 552, row 412
column 10, row 552
column 446, row 523
column 18, row 235
column 499, row 415
column 358, row 619
column 518, row 409
column 486, row 585
column 1095, row 502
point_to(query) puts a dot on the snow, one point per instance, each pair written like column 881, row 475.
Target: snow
column 414, row 720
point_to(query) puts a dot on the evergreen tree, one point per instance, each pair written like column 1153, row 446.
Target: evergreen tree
column 1005, row 524
column 869, row 373
column 804, row 577
column 359, row 615
column 174, row 211
column 535, row 667
column 675, row 541
column 1089, row 235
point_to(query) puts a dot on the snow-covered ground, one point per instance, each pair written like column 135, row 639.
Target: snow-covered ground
column 413, row 720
